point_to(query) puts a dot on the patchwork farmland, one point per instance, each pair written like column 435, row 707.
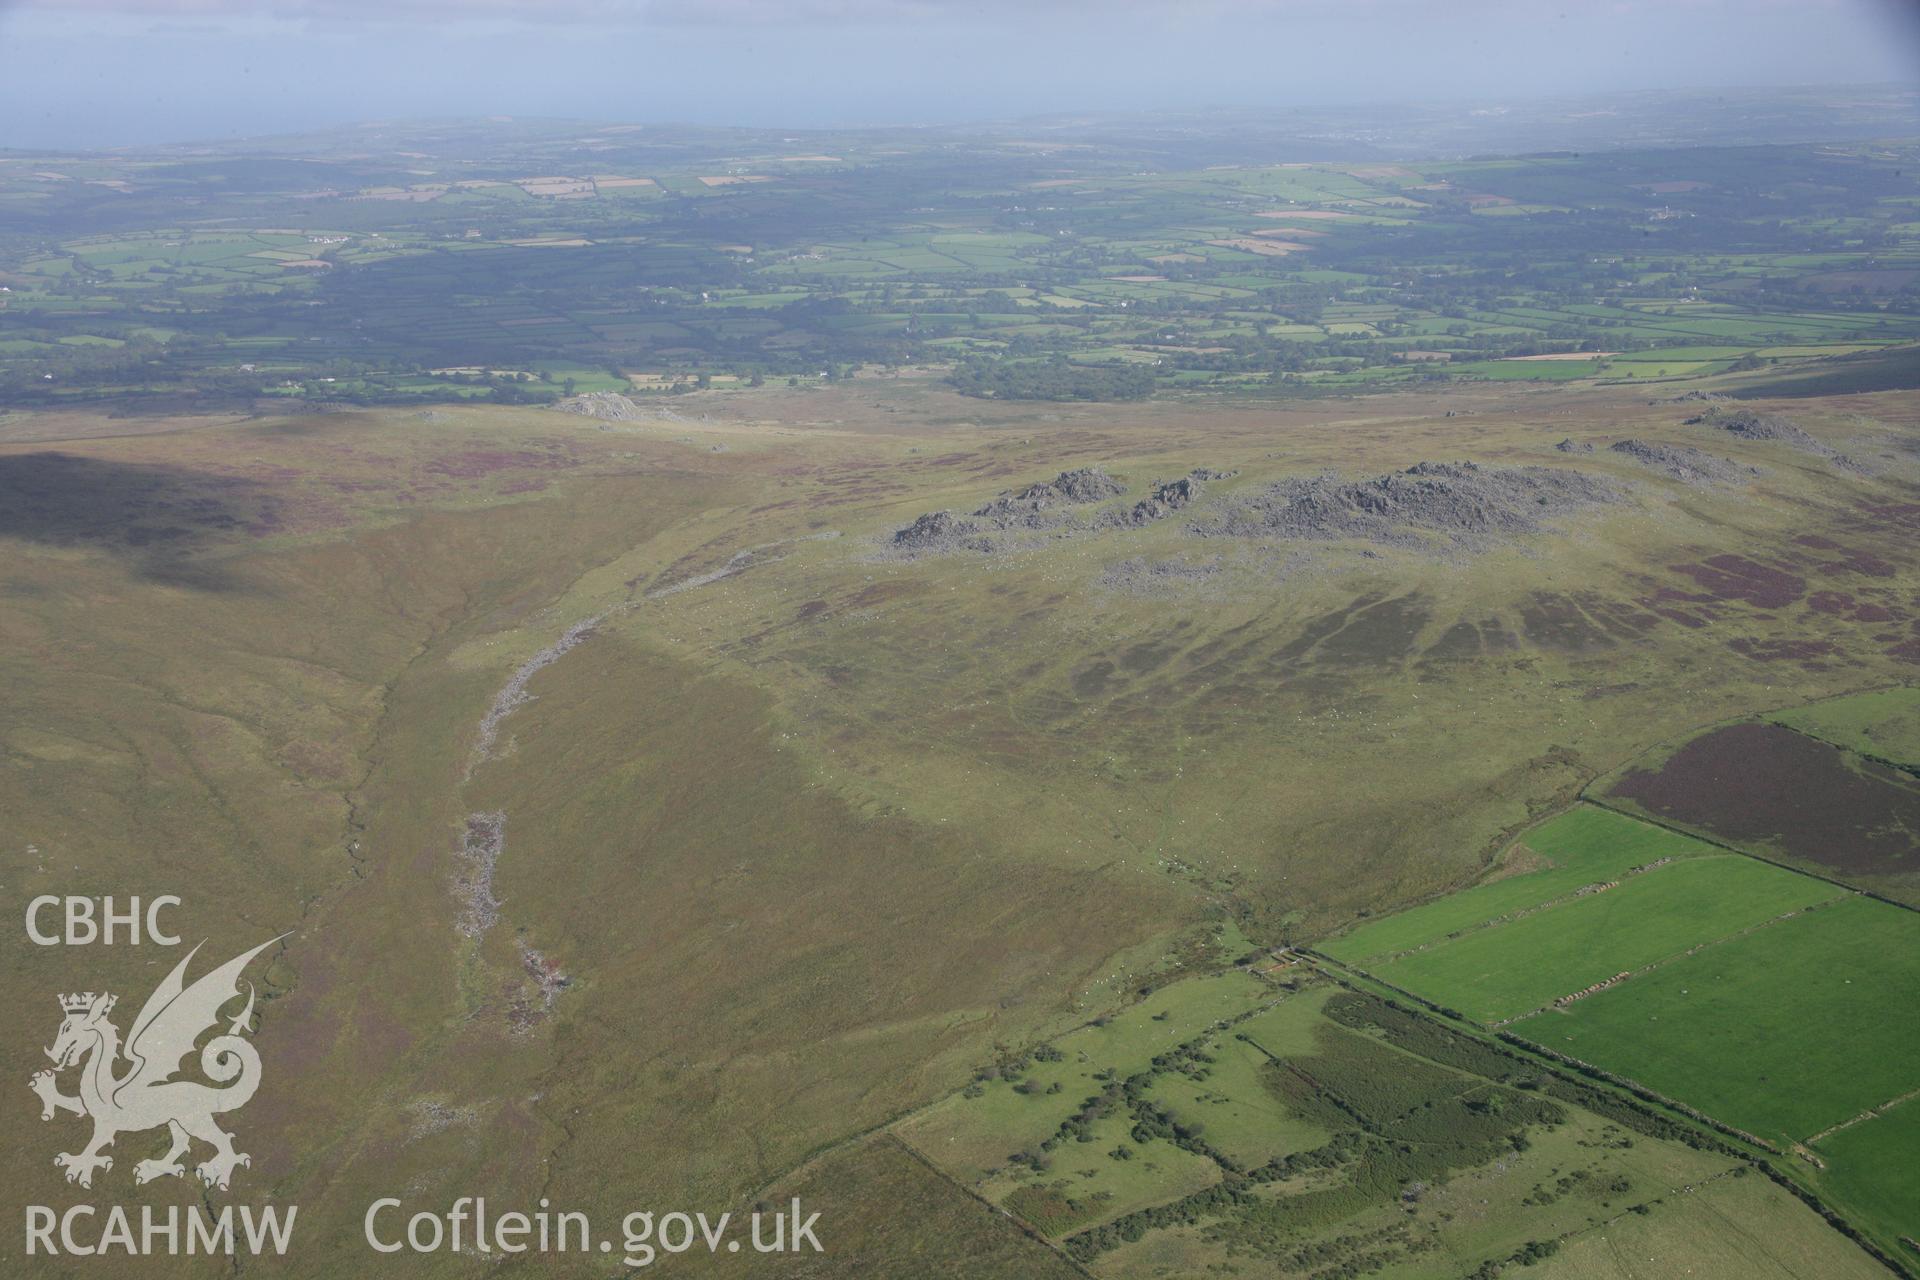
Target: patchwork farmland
column 1784, row 1031
column 1773, row 1003
column 1265, row 1121
column 702, row 260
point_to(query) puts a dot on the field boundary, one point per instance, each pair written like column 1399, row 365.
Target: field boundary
column 1718, row 843
column 1573, row 1070
column 1503, row 841
column 1521, row 913
column 1584, row 1075
column 1870, row 1113
column 1791, row 1178
column 1628, row 1082
column 1453, row 1017
column 1507, row 837
column 886, row 1125
column 1686, row 735
column 1898, row 766
column 1561, row 1002
column 1025, row 1228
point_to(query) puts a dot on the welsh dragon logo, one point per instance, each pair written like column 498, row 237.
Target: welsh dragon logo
column 143, row 1094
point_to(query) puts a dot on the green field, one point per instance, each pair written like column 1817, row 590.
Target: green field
column 1517, row 967
column 1583, row 846
column 1782, row 1032
column 1871, row 1166
column 1783, row 1028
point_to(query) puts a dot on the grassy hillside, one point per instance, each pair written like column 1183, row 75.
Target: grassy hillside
column 640, row 841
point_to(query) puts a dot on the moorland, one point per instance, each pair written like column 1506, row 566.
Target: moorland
column 1067, row 774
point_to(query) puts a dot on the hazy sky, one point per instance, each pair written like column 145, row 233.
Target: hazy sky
column 106, row 72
